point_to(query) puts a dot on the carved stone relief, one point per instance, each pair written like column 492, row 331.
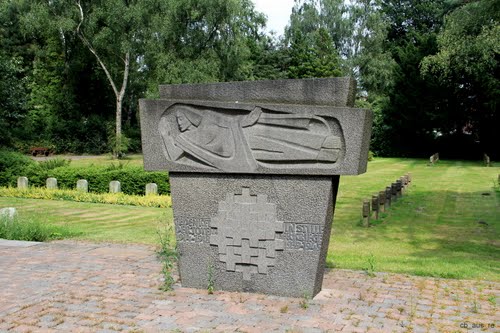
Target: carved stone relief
column 246, row 233
column 244, row 140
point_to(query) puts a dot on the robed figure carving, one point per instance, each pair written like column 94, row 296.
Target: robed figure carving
column 212, row 138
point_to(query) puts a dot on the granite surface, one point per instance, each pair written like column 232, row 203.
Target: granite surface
column 255, row 233
column 228, row 137
column 338, row 91
column 254, row 170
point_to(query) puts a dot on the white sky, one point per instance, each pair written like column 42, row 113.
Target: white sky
column 277, row 11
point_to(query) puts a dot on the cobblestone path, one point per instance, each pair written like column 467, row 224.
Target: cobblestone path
column 80, row 287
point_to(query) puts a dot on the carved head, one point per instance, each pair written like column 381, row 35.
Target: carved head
column 186, row 118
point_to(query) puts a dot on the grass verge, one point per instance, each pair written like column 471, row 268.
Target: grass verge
column 32, row 229
column 100, row 160
column 94, row 221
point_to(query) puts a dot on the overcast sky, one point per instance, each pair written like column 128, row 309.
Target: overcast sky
column 277, row 11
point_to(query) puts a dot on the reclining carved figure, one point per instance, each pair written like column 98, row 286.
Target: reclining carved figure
column 214, row 139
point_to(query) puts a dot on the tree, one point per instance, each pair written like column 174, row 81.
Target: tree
column 112, row 30
column 468, row 64
column 367, row 57
column 202, row 41
column 270, row 59
column 356, row 31
column 108, row 32
column 311, row 47
column 414, row 109
column 16, row 56
column 12, row 98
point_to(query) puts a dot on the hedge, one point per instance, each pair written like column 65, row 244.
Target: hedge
column 13, row 164
column 133, row 180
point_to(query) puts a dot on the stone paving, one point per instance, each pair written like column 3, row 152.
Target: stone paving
column 80, row 287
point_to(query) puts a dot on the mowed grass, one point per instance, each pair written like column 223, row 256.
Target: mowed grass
column 433, row 230
column 99, row 160
column 446, row 225
column 96, row 222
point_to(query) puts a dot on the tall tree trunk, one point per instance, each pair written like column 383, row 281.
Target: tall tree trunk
column 118, row 133
column 119, row 94
column 119, row 107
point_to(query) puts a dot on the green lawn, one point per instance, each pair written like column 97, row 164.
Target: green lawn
column 96, row 222
column 87, row 161
column 433, row 230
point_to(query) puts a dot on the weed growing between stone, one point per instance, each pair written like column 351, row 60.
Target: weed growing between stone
column 304, row 302
column 167, row 254
column 31, row 229
column 284, row 309
column 210, row 285
column 370, row 269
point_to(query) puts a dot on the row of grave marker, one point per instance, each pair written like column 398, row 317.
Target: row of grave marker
column 83, row 185
column 382, row 201
column 435, row 157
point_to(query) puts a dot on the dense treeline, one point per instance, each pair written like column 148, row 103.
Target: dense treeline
column 72, row 71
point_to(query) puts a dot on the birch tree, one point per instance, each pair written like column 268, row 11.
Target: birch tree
column 112, row 30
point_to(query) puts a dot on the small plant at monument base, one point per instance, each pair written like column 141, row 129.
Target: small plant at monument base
column 210, row 285
column 168, row 254
column 492, row 300
column 304, row 302
column 284, row 309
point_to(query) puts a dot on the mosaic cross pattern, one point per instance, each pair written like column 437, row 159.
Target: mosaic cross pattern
column 246, row 227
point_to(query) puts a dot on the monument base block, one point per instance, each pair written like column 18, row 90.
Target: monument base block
column 254, row 233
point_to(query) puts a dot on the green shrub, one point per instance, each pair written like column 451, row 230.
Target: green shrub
column 54, row 163
column 370, row 156
column 133, row 179
column 12, row 166
column 31, row 230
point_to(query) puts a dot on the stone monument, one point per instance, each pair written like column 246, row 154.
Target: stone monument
column 254, row 170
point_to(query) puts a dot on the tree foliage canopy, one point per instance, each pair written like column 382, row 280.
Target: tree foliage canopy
column 72, row 70
column 467, row 63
